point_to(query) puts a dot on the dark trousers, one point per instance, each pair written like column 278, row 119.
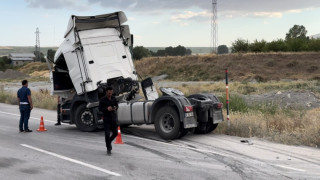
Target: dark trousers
column 58, row 113
column 24, row 116
column 110, row 125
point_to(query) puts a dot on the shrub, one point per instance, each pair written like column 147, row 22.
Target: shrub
column 258, row 46
column 297, row 45
column 223, row 49
column 236, row 103
column 314, row 45
column 240, row 45
column 277, row 45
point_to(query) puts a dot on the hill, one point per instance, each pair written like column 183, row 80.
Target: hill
column 259, row 67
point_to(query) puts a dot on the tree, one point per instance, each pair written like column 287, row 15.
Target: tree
column 297, row 44
column 50, row 54
column 240, row 45
column 6, row 60
column 42, row 59
column 188, row 52
column 258, row 46
column 173, row 51
column 297, row 31
column 169, row 51
column 140, row 52
column 223, row 49
column 277, row 45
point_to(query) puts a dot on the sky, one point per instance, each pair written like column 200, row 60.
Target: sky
column 160, row 23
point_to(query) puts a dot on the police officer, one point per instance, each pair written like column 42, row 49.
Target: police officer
column 109, row 105
column 25, row 106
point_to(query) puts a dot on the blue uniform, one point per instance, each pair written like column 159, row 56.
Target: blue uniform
column 24, row 107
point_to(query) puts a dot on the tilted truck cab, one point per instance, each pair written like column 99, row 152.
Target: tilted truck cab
column 96, row 54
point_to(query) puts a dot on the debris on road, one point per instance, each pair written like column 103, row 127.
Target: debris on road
column 246, row 141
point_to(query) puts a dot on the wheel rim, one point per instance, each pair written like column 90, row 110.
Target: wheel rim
column 167, row 122
column 87, row 118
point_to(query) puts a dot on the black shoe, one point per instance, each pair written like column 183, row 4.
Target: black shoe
column 57, row 124
column 21, row 130
column 28, row 130
column 109, row 152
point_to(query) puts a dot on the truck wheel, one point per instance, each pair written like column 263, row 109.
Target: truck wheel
column 85, row 120
column 167, row 123
column 206, row 128
column 211, row 127
column 183, row 132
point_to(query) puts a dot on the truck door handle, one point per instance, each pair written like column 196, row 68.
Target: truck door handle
column 91, row 62
column 124, row 56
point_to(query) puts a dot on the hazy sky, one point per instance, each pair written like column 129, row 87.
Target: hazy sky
column 160, row 22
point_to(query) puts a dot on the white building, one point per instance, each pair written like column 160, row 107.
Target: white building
column 21, row 58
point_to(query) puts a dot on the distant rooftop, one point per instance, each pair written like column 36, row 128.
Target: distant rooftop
column 21, row 55
column 22, row 59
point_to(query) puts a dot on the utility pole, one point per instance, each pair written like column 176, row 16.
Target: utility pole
column 214, row 27
column 37, row 50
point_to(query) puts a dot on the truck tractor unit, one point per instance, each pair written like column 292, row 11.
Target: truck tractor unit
column 95, row 54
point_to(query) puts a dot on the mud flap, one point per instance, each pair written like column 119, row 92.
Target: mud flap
column 190, row 122
column 216, row 115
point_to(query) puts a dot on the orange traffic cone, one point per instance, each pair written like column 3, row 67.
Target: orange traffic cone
column 119, row 139
column 41, row 128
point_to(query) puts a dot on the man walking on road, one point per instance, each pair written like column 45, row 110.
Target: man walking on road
column 109, row 105
column 25, row 106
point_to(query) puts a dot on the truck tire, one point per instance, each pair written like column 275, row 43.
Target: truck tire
column 167, row 123
column 85, row 120
column 209, row 127
column 183, row 132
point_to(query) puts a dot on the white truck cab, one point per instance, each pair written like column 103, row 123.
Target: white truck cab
column 96, row 54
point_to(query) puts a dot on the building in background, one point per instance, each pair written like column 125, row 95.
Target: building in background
column 21, row 58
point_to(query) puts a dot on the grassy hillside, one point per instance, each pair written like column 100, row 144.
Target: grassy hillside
column 242, row 67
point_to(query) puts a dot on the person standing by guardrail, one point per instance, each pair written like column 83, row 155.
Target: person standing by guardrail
column 25, row 106
column 108, row 105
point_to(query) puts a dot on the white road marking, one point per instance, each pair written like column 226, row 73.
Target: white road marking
column 72, row 160
column 287, row 167
column 46, row 120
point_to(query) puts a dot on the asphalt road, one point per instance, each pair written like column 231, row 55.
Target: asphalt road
column 65, row 153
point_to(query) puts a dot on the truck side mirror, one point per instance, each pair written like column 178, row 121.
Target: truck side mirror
column 131, row 40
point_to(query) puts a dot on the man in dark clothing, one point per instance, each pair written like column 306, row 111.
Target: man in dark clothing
column 25, row 106
column 109, row 105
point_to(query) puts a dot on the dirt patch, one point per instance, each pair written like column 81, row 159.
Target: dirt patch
column 287, row 99
column 40, row 74
column 12, row 74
